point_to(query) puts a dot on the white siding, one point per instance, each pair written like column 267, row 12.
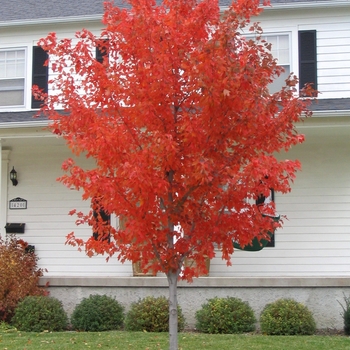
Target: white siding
column 38, row 163
column 333, row 56
column 315, row 239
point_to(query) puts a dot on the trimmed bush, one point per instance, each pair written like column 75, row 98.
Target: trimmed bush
column 225, row 315
column 40, row 313
column 287, row 317
column 97, row 313
column 346, row 315
column 19, row 275
column 152, row 315
column 5, row 327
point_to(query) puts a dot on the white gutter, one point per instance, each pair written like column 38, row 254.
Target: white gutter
column 331, row 113
column 308, row 4
column 45, row 123
column 31, row 124
column 51, row 20
column 303, row 4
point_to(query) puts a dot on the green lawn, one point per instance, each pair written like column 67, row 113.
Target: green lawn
column 13, row 340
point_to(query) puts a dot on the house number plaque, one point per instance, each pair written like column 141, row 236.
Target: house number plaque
column 18, row 203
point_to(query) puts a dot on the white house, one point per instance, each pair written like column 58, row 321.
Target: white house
column 310, row 260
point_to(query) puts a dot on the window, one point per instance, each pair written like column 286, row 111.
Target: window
column 40, row 72
column 12, row 77
column 307, row 58
column 280, row 49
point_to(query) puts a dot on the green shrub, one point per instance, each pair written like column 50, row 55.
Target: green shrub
column 40, row 313
column 5, row 327
column 152, row 315
column 97, row 313
column 19, row 275
column 346, row 315
column 287, row 317
column 225, row 315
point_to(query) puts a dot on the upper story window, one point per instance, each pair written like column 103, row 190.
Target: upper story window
column 280, row 49
column 17, row 78
column 12, row 77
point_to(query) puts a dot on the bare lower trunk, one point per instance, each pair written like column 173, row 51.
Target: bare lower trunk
column 173, row 319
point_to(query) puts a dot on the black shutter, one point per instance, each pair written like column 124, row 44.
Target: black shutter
column 307, row 58
column 102, row 51
column 271, row 243
column 99, row 55
column 40, row 72
column 260, row 201
column 106, row 218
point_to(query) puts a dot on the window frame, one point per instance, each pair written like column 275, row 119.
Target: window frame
column 25, row 76
column 271, row 33
column 290, row 49
column 279, row 34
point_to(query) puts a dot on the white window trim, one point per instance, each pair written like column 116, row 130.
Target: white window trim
column 289, row 33
column 293, row 45
column 27, row 77
column 266, row 35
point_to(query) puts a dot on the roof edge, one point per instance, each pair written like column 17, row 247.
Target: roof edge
column 331, row 113
column 275, row 6
column 30, row 124
column 52, row 20
column 307, row 4
column 45, row 123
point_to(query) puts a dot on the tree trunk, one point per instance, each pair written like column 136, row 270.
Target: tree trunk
column 173, row 320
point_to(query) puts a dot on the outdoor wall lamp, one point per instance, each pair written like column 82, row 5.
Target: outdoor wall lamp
column 13, row 176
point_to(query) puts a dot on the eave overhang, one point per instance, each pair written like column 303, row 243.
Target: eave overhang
column 52, row 20
column 302, row 5
column 307, row 4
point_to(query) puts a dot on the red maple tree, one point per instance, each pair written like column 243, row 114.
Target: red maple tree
column 182, row 126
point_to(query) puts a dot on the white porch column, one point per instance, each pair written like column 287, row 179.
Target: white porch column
column 4, row 165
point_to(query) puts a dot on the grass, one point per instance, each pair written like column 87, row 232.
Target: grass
column 15, row 340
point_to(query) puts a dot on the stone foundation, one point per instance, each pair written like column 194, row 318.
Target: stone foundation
column 320, row 295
